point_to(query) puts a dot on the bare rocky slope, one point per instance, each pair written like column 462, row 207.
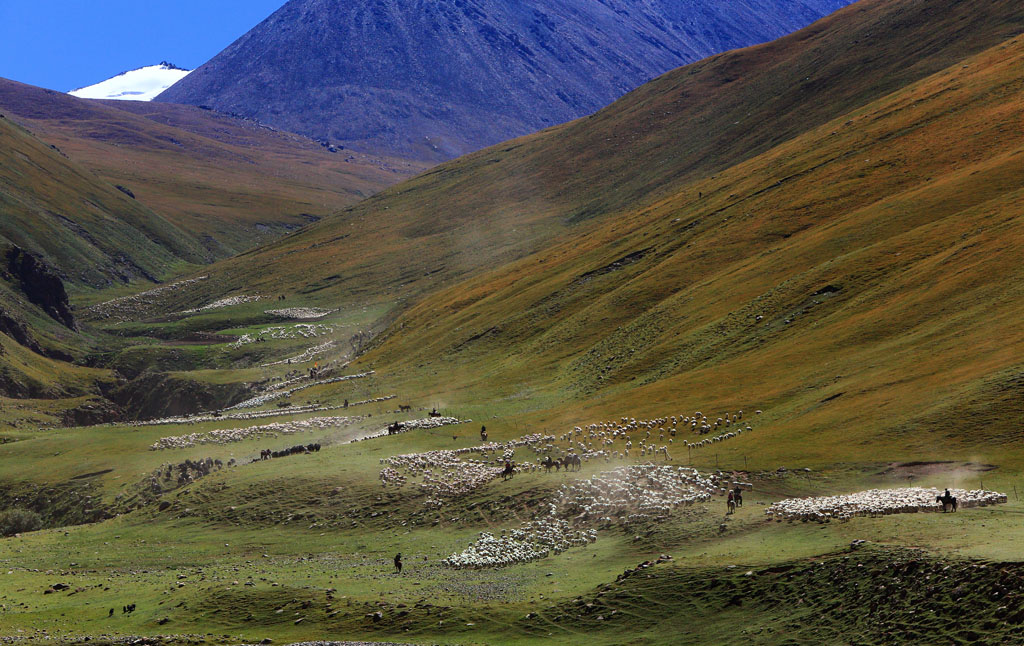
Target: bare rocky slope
column 437, row 79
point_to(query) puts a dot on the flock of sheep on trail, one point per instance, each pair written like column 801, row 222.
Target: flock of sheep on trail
column 625, row 494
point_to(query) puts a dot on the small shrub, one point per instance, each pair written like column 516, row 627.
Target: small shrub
column 15, row 521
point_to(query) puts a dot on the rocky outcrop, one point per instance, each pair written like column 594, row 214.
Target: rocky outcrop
column 17, row 330
column 39, row 283
column 153, row 395
column 94, row 411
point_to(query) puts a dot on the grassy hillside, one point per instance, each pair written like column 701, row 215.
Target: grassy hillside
column 857, row 280
column 848, row 276
column 93, row 233
column 229, row 183
column 498, row 205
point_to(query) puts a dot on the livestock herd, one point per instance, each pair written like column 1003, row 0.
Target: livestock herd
column 278, row 391
column 618, row 497
column 877, row 502
column 256, row 414
column 449, row 473
column 229, row 301
column 274, row 429
column 298, row 449
column 129, row 307
column 572, row 517
column 623, row 495
column 283, row 332
column 301, row 313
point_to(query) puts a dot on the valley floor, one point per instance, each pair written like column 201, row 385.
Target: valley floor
column 300, row 547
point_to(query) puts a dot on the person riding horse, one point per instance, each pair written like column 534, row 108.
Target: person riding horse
column 483, row 433
column 948, row 501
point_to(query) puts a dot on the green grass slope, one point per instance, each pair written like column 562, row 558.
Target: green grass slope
column 230, row 184
column 503, row 203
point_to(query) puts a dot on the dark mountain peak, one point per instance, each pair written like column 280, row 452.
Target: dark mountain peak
column 438, row 78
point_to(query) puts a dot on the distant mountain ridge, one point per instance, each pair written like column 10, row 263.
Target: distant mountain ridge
column 437, row 79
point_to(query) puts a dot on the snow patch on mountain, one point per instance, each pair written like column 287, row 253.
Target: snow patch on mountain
column 142, row 84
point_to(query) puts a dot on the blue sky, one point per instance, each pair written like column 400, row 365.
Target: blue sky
column 67, row 44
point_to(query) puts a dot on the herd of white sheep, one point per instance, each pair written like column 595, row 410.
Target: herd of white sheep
column 301, row 313
column 615, row 440
column 450, row 473
column 229, row 301
column 283, row 332
column 229, row 435
column 306, row 355
column 277, row 392
column 127, row 307
column 535, row 540
column 257, row 414
column 876, row 502
column 622, row 495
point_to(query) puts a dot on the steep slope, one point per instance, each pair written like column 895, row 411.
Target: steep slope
column 93, row 233
column 438, row 79
column 227, row 183
column 860, row 282
column 142, row 84
column 511, row 200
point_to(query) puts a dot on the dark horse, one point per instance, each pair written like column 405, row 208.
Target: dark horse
column 434, row 413
column 948, row 501
column 395, row 428
column 509, row 471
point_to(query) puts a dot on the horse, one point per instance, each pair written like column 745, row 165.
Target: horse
column 509, row 471
column 948, row 503
column 434, row 413
column 572, row 462
column 404, row 408
column 738, row 497
column 547, row 463
column 395, row 428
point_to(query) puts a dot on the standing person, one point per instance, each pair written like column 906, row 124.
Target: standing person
column 398, row 563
